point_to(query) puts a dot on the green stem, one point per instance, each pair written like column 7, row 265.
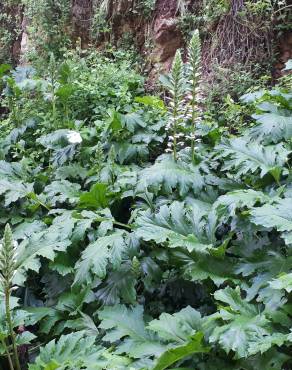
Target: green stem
column 193, row 129
column 43, row 204
column 34, row 197
column 10, row 326
column 122, row 224
column 174, row 143
column 8, row 354
column 53, row 98
column 53, row 107
column 149, row 202
column 101, row 219
column 66, row 111
column 175, row 114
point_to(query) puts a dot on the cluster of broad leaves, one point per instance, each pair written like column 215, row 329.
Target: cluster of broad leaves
column 128, row 259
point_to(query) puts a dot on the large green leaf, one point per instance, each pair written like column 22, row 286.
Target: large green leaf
column 62, row 191
column 227, row 205
column 128, row 325
column 58, row 142
column 118, row 285
column 4, row 68
column 283, row 282
column 199, row 267
column 175, row 354
column 71, row 171
column 243, row 157
column 132, row 121
column 75, row 351
column 177, row 327
column 270, row 360
column 272, row 128
column 152, row 101
column 14, row 190
column 55, row 140
column 261, row 269
column 42, row 244
column 176, row 225
column 128, row 152
column 277, row 215
column 246, row 330
column 167, row 175
column 97, row 256
column 12, row 183
column 96, row 198
column 126, row 328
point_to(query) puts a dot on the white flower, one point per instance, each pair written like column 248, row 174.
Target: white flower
column 74, row 137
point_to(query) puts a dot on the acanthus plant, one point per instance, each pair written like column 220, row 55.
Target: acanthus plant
column 193, row 71
column 129, row 259
column 176, row 86
column 9, row 340
column 183, row 86
column 7, row 271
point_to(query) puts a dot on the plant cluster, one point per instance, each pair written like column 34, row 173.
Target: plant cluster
column 145, row 7
column 127, row 257
column 48, row 27
column 207, row 14
column 239, row 43
column 106, row 12
column 10, row 19
column 183, row 88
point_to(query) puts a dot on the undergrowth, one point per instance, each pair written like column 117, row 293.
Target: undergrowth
column 125, row 256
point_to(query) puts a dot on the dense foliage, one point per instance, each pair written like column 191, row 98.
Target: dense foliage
column 143, row 236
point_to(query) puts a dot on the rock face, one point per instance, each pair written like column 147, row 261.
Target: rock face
column 24, row 43
column 81, row 14
column 161, row 31
column 285, row 53
column 166, row 34
column 157, row 37
column 125, row 23
column 11, row 14
column 167, row 38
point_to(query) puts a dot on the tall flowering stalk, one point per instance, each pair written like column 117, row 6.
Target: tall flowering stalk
column 53, row 85
column 183, row 87
column 7, row 272
column 176, row 87
column 193, row 74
